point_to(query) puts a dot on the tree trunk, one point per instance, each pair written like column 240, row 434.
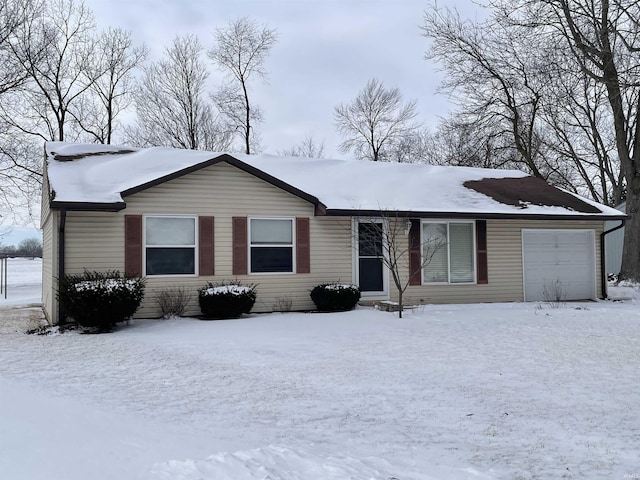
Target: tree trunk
column 247, row 112
column 630, row 269
column 400, row 303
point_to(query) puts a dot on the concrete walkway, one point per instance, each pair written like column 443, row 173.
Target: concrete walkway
column 19, row 319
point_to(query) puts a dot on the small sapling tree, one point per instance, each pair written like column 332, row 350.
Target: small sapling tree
column 399, row 246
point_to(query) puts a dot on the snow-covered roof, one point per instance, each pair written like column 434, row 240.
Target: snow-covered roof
column 91, row 176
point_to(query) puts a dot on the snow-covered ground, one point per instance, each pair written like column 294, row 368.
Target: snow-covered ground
column 24, row 277
column 502, row 391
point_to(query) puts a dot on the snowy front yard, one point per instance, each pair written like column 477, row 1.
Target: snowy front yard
column 502, row 391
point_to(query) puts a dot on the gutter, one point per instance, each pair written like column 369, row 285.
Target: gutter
column 603, row 273
column 332, row 212
column 61, row 248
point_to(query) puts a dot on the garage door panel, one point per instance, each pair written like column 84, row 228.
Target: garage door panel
column 558, row 257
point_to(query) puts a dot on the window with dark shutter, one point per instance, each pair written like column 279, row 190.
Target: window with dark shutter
column 303, row 246
column 133, row 245
column 206, row 246
column 481, row 252
column 239, row 234
column 415, row 260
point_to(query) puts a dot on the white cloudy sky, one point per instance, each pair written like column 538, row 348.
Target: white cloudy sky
column 326, row 52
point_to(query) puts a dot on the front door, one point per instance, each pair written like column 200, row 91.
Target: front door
column 370, row 267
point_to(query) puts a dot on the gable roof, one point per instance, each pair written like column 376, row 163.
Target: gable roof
column 100, row 177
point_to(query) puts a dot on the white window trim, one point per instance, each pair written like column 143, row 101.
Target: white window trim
column 474, row 249
column 195, row 246
column 355, row 244
column 293, row 246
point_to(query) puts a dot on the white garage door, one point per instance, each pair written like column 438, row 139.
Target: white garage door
column 559, row 263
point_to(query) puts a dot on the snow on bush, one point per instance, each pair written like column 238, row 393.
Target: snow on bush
column 226, row 299
column 228, row 289
column 335, row 296
column 100, row 300
column 107, row 285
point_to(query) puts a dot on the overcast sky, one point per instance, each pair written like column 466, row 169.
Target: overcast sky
column 326, row 52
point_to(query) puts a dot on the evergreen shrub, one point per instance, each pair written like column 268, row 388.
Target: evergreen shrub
column 100, row 299
column 226, row 299
column 335, row 297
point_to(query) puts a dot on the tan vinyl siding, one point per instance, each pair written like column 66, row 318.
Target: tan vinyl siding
column 50, row 266
column 48, row 224
column 45, row 197
column 504, row 252
column 95, row 241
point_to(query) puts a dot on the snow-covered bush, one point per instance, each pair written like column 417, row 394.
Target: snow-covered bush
column 100, row 299
column 335, row 297
column 226, row 299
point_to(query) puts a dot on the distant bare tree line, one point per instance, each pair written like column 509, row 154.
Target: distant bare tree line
column 29, row 247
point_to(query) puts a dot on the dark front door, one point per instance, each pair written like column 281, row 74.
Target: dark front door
column 370, row 266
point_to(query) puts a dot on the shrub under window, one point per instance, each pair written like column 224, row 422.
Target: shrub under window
column 226, row 299
column 335, row 297
column 100, row 300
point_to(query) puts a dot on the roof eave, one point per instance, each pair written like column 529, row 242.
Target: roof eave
column 88, row 206
column 334, row 212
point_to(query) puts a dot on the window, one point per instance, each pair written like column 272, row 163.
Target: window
column 170, row 245
column 271, row 249
column 448, row 252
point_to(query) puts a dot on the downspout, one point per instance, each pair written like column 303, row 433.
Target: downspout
column 603, row 273
column 61, row 270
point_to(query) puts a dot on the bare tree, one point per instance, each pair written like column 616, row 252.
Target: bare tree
column 581, row 133
column 56, row 49
column 241, row 49
column 16, row 183
column 112, row 91
column 172, row 105
column 415, row 147
column 562, row 75
column 461, row 143
column 13, row 15
column 30, row 247
column 307, row 148
column 377, row 118
column 400, row 249
column 525, row 104
column 603, row 38
column 497, row 73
